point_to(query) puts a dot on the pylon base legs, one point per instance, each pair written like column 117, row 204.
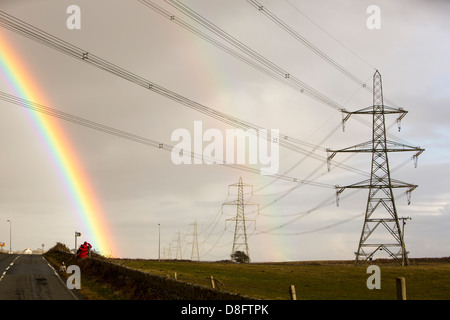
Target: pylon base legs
column 366, row 253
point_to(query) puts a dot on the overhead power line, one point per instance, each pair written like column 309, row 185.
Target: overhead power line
column 125, row 135
column 33, row 33
column 248, row 55
column 330, row 35
column 305, row 42
column 263, row 64
column 42, row 37
column 27, row 30
column 267, row 68
column 136, row 138
column 83, row 122
column 311, row 46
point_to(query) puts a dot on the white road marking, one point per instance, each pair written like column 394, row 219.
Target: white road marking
column 7, row 268
column 57, row 275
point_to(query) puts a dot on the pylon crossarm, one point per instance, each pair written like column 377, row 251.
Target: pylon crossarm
column 367, row 145
column 393, row 146
column 366, row 184
column 378, row 110
column 235, row 202
column 377, row 146
column 400, row 184
column 363, row 185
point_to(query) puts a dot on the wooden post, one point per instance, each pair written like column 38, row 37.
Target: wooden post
column 219, row 283
column 175, row 276
column 401, row 288
column 292, row 292
column 212, row 282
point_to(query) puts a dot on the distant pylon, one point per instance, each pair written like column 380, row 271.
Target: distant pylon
column 178, row 254
column 195, row 253
column 240, row 242
column 380, row 210
column 169, row 251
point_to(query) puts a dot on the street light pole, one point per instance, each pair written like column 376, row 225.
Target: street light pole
column 159, row 242
column 10, row 237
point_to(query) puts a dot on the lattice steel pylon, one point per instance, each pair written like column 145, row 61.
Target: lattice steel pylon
column 178, row 254
column 381, row 213
column 195, row 253
column 240, row 241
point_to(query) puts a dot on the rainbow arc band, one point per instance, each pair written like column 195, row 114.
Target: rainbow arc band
column 14, row 71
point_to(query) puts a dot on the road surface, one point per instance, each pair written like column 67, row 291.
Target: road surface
column 30, row 277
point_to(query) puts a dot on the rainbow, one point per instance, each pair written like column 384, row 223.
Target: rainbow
column 18, row 77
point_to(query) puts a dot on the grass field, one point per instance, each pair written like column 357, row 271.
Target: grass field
column 427, row 279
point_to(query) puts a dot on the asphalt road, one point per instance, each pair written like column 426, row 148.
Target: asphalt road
column 30, row 277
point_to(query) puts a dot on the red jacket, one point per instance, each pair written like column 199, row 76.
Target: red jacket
column 84, row 250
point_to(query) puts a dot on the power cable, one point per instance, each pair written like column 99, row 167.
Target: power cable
column 314, row 48
column 23, row 28
column 40, row 36
column 268, row 65
column 136, row 138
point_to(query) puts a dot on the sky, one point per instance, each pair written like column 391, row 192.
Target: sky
column 150, row 204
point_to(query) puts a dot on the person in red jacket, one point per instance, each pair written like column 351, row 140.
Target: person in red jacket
column 83, row 251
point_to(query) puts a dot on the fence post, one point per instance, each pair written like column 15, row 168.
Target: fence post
column 212, row 282
column 292, row 292
column 401, row 288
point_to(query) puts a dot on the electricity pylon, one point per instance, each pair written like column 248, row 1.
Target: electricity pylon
column 195, row 253
column 178, row 254
column 381, row 213
column 240, row 242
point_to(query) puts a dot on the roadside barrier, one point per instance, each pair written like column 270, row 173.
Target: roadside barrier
column 141, row 285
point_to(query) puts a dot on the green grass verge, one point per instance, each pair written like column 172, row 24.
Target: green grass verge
column 313, row 281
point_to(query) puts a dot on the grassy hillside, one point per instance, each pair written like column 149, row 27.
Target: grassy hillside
column 425, row 279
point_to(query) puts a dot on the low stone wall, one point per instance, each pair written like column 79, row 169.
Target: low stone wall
column 137, row 284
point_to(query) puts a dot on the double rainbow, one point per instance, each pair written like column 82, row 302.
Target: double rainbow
column 18, row 77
